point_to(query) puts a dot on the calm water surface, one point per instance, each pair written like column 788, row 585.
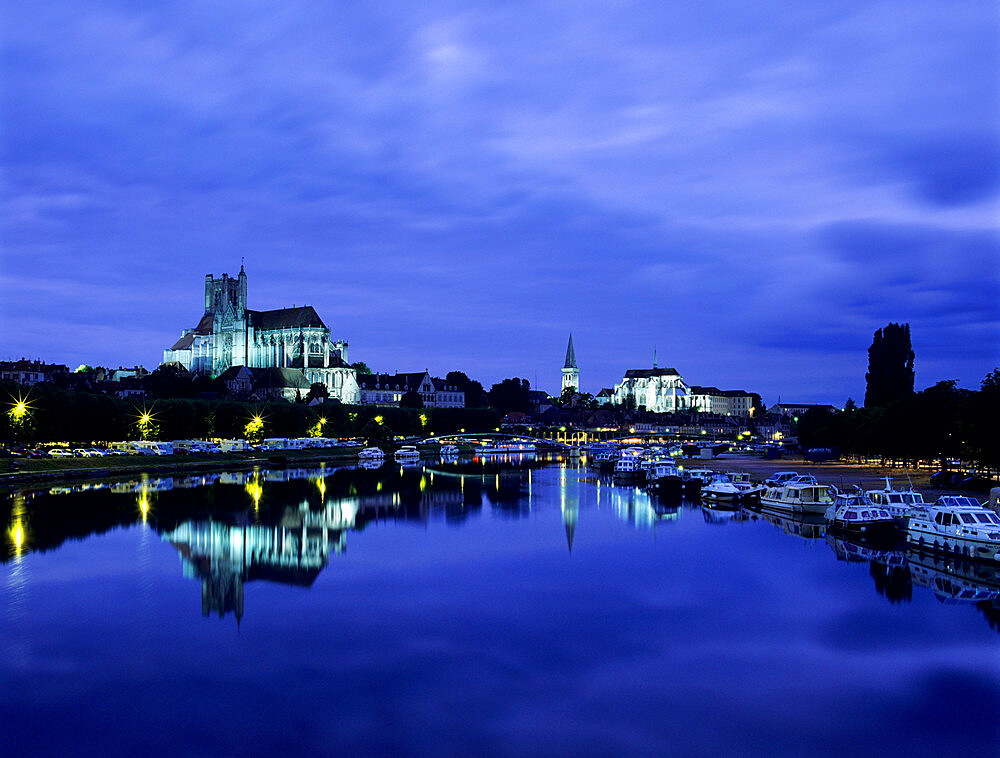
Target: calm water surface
column 433, row 612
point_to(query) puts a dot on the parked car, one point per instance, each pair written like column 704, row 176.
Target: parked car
column 946, row 478
column 977, row 482
column 60, row 452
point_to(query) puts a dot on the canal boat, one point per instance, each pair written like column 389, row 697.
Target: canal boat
column 407, row 454
column 371, row 453
column 854, row 514
column 799, row 498
column 604, row 459
column 749, row 492
column 720, row 490
column 898, row 502
column 664, row 478
column 957, row 525
column 506, row 448
column 449, row 450
column 628, row 469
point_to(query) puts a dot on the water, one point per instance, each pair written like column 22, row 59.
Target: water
column 517, row 612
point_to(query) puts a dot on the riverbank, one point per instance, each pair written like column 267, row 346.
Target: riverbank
column 60, row 470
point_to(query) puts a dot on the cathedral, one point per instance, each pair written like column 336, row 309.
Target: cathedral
column 230, row 334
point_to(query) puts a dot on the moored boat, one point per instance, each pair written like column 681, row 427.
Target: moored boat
column 628, row 469
column 664, row 478
column 799, row 498
column 957, row 525
column 407, row 453
column 854, row 514
column 720, row 490
column 371, row 454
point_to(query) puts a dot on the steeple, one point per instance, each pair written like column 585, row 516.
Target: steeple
column 570, row 371
column 570, row 354
column 654, row 358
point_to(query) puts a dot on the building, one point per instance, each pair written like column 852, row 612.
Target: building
column 388, row 390
column 570, row 371
column 791, row 410
column 230, row 334
column 658, row 390
column 30, row 372
column 719, row 402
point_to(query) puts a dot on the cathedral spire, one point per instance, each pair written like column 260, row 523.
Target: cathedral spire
column 570, row 354
column 654, row 358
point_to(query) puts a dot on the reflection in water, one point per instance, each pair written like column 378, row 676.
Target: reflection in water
column 230, row 528
column 225, row 556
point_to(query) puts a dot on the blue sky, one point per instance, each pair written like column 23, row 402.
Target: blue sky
column 751, row 188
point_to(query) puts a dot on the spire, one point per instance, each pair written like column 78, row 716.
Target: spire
column 570, row 354
column 654, row 357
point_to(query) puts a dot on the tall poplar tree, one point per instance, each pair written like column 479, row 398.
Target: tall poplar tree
column 890, row 366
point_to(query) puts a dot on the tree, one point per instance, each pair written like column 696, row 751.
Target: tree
column 757, row 407
column 890, row 366
column 411, row 399
column 317, row 390
column 850, row 405
column 475, row 396
column 511, row 395
column 361, row 367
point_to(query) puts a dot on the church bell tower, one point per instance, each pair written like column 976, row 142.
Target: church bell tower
column 570, row 372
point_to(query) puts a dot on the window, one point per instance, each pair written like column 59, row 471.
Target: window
column 967, row 518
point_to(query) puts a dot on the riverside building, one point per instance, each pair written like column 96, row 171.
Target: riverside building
column 230, row 334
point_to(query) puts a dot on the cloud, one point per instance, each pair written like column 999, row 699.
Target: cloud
column 639, row 173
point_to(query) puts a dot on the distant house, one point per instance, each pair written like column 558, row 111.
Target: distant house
column 790, row 410
column 388, row 390
column 30, row 372
column 605, row 396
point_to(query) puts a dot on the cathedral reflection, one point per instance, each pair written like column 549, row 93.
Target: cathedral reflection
column 226, row 556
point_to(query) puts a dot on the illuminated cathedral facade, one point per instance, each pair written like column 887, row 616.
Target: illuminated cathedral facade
column 230, row 334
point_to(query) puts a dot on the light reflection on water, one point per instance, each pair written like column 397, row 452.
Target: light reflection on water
column 455, row 608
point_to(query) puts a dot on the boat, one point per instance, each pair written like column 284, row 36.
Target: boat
column 628, row 469
column 664, row 478
column 506, row 448
column 449, row 450
column 720, row 490
column 371, row 453
column 604, row 459
column 898, row 502
column 854, row 514
column 749, row 492
column 408, row 453
column 799, row 498
column 958, row 525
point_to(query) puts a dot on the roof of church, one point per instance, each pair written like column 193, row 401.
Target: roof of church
column 285, row 318
column 638, row 373
column 570, row 354
column 204, row 327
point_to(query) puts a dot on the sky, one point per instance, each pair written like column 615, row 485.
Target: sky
column 750, row 189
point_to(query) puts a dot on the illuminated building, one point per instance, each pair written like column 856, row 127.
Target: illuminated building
column 294, row 340
column 570, row 371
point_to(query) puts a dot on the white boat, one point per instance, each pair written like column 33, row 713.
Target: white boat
column 799, row 498
column 506, row 448
column 371, row 453
column 664, row 477
column 853, row 513
column 720, row 489
column 604, row 460
column 407, row 453
column 447, row 450
column 898, row 502
column 958, row 525
column 748, row 490
column 629, row 468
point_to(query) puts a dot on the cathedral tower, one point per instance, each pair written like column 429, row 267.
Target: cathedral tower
column 570, row 372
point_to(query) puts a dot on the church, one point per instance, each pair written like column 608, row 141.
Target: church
column 230, row 334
